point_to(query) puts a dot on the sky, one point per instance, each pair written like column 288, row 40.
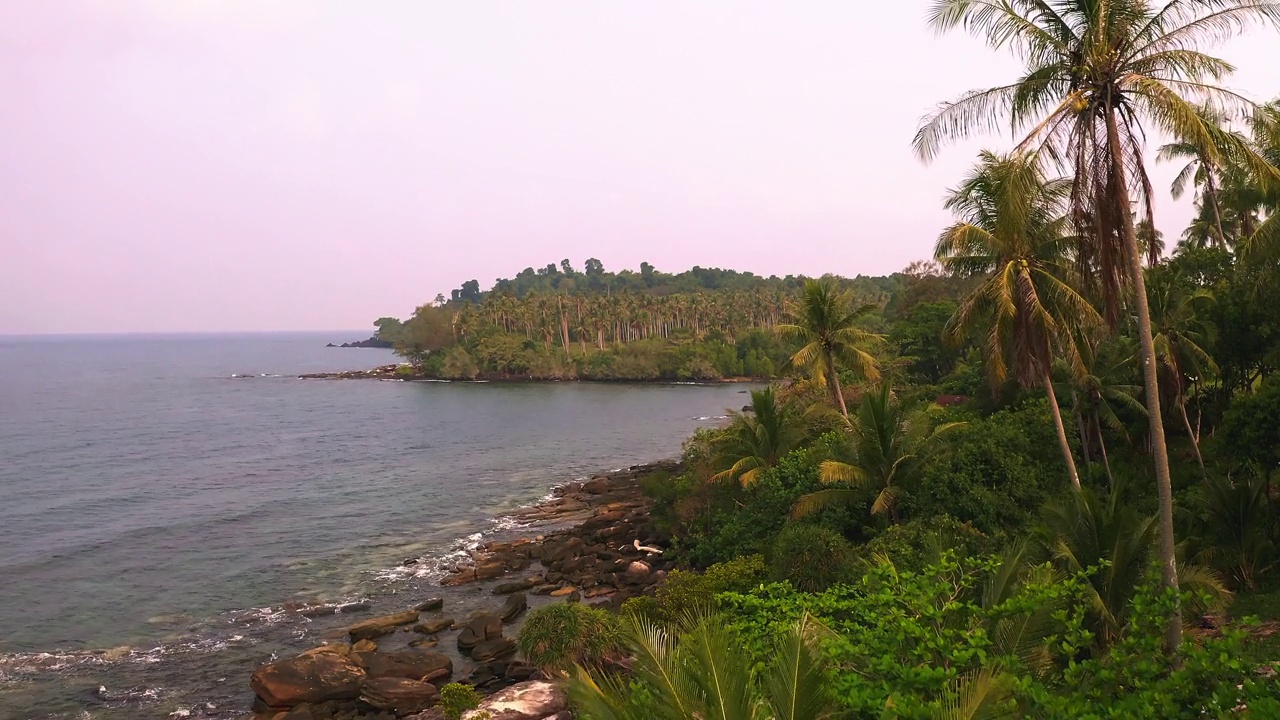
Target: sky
column 203, row 165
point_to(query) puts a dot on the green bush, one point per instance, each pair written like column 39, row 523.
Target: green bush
column 812, row 558
column 994, row 473
column 686, row 593
column 558, row 636
column 717, row 522
column 458, row 698
column 919, row 543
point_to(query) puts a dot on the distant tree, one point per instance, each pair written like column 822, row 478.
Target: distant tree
column 566, row 267
column 389, row 329
column 429, row 330
column 832, row 331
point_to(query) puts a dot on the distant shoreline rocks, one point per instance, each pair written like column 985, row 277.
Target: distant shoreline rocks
column 373, row 342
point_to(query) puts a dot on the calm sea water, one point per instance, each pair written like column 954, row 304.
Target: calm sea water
column 154, row 490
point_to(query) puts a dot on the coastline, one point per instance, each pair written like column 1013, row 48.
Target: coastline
column 205, row 673
column 587, row 541
column 395, row 374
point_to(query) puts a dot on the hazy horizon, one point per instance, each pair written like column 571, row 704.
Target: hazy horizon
column 207, row 166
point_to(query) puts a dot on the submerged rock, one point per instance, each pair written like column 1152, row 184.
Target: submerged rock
column 431, row 627
column 379, row 626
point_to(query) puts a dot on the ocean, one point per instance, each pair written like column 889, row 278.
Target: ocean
column 163, row 497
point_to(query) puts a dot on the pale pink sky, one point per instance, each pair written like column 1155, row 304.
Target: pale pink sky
column 193, row 165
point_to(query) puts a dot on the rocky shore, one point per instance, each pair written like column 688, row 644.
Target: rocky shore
column 406, row 372
column 594, row 543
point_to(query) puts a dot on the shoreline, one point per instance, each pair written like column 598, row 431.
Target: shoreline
column 588, row 541
column 391, row 373
column 164, row 680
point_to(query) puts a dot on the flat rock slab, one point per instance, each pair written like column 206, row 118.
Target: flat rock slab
column 379, row 626
column 431, row 627
column 411, row 664
column 399, row 694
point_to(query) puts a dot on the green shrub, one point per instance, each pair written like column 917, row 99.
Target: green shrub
column 405, row 371
column 458, row 364
column 812, row 558
column 645, row 607
column 919, row 543
column 685, row 593
column 994, row 473
column 458, row 698
column 558, row 636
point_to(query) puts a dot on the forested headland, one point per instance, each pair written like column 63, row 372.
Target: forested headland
column 1029, row 478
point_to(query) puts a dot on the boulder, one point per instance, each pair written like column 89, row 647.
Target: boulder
column 399, row 695
column 495, row 649
column 486, row 626
column 430, row 605
column 489, row 570
column 379, row 626
column 431, row 627
column 544, row 589
column 515, row 586
column 637, row 572
column 554, row 551
column 514, row 607
column 364, row 646
column 564, row 591
column 307, row 678
column 411, row 664
column 525, row 701
column 598, row 485
column 426, row 642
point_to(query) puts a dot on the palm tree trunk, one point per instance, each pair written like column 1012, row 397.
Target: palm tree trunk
column 1211, row 189
column 1062, row 431
column 1186, row 422
column 1102, row 448
column 1155, row 419
column 833, row 384
column 1085, row 440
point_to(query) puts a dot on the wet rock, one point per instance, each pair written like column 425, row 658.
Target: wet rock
column 555, row 551
column 544, row 589
column 427, row 642
column 307, row 678
column 486, row 626
column 412, row 664
column 515, row 586
column 514, row 607
column 430, row 605
column 379, row 626
column 565, row 591
column 399, row 695
column 520, row 671
column 335, row 648
column 532, row 700
column 433, row 626
column 364, row 646
column 493, row 649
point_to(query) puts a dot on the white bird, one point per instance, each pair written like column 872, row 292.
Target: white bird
column 647, row 548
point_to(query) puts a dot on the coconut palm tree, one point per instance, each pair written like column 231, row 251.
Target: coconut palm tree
column 756, row 440
column 704, row 673
column 830, row 327
column 887, row 442
column 1202, row 165
column 1012, row 232
column 1180, row 328
column 1098, row 76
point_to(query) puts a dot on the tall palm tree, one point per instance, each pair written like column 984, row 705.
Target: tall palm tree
column 830, row 327
column 1181, row 330
column 1098, row 75
column 887, row 442
column 1012, row 232
column 755, row 441
column 703, row 673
